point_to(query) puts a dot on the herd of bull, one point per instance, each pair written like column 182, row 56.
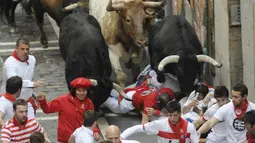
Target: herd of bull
column 96, row 35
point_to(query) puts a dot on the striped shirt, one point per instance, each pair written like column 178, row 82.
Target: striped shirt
column 14, row 133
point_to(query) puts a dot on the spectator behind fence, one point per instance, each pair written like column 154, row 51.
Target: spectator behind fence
column 84, row 134
column 13, row 89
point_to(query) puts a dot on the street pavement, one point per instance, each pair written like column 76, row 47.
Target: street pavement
column 50, row 66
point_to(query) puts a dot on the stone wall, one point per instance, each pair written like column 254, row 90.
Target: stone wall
column 221, row 42
column 248, row 29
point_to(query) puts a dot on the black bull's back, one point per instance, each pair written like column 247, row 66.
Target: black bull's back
column 86, row 54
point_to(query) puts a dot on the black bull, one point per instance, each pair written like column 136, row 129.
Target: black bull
column 174, row 40
column 83, row 47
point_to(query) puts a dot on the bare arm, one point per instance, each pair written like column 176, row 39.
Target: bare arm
column 208, row 125
column 145, row 118
column 187, row 108
column 71, row 139
column 1, row 119
column 47, row 140
column 245, row 141
column 198, row 122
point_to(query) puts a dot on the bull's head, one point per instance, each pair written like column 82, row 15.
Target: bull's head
column 135, row 14
column 186, row 68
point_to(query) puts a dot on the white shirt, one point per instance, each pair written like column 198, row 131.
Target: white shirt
column 219, row 130
column 235, row 128
column 159, row 126
column 200, row 103
column 13, row 67
column 6, row 108
column 129, row 141
column 83, row 135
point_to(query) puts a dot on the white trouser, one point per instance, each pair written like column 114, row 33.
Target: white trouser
column 212, row 138
column 31, row 111
column 124, row 106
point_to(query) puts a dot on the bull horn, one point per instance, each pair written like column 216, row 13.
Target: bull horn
column 168, row 60
column 205, row 58
column 71, row 7
column 114, row 7
column 150, row 4
column 93, row 82
column 120, row 90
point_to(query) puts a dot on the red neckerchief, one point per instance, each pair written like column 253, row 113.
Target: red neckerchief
column 239, row 111
column 120, row 141
column 14, row 54
column 9, row 97
column 179, row 131
column 180, row 128
column 250, row 138
column 16, row 123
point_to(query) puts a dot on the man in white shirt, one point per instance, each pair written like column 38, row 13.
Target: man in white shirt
column 113, row 135
column 198, row 101
column 13, row 89
column 218, row 132
column 21, row 64
column 173, row 129
column 232, row 114
column 84, row 134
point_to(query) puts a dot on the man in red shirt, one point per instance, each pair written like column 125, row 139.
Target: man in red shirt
column 70, row 107
column 249, row 119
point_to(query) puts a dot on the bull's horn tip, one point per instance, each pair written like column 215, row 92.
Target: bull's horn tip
column 160, row 68
column 219, row 65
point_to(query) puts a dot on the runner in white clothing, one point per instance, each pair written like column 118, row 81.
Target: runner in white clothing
column 232, row 114
column 218, row 132
column 84, row 134
column 173, row 129
column 113, row 135
column 13, row 88
column 20, row 63
column 198, row 101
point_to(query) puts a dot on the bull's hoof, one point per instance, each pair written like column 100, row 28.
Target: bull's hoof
column 128, row 65
column 44, row 43
column 99, row 113
column 12, row 30
column 45, row 46
column 14, row 24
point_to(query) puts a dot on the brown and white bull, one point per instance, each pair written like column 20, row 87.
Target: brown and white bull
column 123, row 24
